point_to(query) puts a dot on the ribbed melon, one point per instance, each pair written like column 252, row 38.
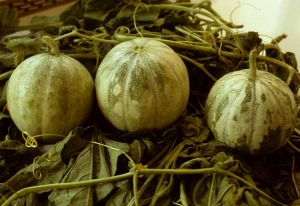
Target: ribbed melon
column 252, row 111
column 50, row 93
column 142, row 84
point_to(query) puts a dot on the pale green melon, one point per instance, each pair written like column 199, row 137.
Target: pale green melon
column 255, row 114
column 50, row 93
column 142, row 84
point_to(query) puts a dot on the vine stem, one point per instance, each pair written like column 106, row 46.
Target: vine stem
column 291, row 70
column 182, row 195
column 211, row 189
column 118, row 38
column 92, row 38
column 87, row 183
column 162, row 164
column 213, row 170
column 296, row 149
column 189, row 34
column 209, row 15
column 6, row 75
column 200, row 66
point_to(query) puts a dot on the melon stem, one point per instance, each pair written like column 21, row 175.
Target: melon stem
column 54, row 50
column 252, row 61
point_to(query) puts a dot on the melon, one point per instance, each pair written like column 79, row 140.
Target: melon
column 251, row 110
column 142, row 84
column 50, row 93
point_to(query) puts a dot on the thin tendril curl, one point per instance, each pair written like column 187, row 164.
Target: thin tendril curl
column 134, row 17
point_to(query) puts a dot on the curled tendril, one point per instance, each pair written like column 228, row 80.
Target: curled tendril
column 134, row 17
column 36, row 172
column 243, row 4
column 122, row 30
column 30, row 141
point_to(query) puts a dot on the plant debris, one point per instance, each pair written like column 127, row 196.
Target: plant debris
column 97, row 164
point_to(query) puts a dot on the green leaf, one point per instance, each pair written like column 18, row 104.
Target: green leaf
column 32, row 199
column 195, row 163
column 8, row 59
column 8, row 20
column 126, row 16
column 14, row 156
column 218, row 189
column 96, row 12
column 229, row 192
column 255, row 200
column 81, row 170
column 74, row 11
column 6, row 56
column 193, row 129
column 22, row 47
column 122, row 195
column 137, row 150
column 213, row 147
column 47, row 169
column 105, row 164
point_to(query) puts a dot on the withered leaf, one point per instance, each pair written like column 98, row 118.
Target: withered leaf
column 96, row 12
column 195, row 163
column 122, row 195
column 218, row 189
column 250, row 40
column 137, row 150
column 175, row 18
column 194, row 129
column 8, row 20
column 32, row 199
column 8, row 59
column 14, row 156
column 24, row 45
column 47, row 169
column 74, row 11
column 126, row 15
column 81, row 170
column 6, row 56
column 105, row 164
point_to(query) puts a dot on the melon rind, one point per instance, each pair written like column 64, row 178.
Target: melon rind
column 254, row 116
column 142, row 84
column 50, row 94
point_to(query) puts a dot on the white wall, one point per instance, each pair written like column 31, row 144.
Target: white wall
column 270, row 17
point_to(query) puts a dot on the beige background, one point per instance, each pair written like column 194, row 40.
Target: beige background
column 268, row 17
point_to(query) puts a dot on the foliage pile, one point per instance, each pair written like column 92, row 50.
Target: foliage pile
column 184, row 165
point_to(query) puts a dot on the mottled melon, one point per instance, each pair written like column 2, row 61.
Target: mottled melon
column 50, row 93
column 142, row 84
column 251, row 110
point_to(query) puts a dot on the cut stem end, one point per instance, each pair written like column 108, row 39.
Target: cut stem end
column 252, row 61
column 54, row 50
